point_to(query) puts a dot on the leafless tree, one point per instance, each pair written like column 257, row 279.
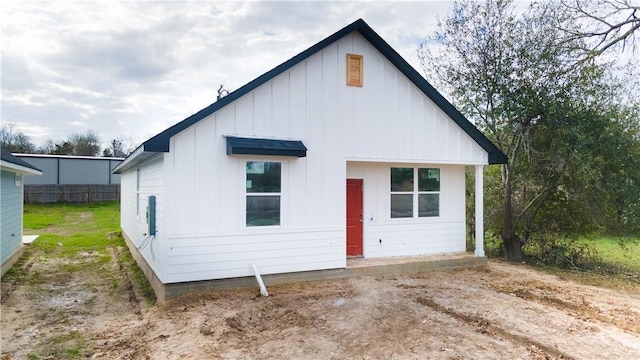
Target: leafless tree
column 120, row 147
column 15, row 141
column 603, row 23
column 87, row 144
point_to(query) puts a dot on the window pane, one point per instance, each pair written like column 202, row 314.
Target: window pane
column 401, row 205
column 401, row 179
column 263, row 177
column 428, row 179
column 263, row 210
column 428, row 205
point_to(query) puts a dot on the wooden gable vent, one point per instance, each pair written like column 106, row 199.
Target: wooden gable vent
column 354, row 70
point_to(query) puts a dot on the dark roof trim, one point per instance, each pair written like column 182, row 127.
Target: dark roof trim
column 252, row 146
column 47, row 156
column 160, row 142
column 8, row 157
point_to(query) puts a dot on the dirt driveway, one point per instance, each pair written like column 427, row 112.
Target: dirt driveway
column 501, row 311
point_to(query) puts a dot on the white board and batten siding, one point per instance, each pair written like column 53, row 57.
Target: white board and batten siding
column 209, row 238
column 349, row 132
column 385, row 236
column 133, row 219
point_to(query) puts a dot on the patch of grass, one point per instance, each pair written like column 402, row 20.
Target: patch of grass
column 101, row 215
column 70, row 228
column 603, row 261
column 65, row 346
column 12, row 273
column 82, row 235
column 34, row 278
column 16, row 270
column 619, row 252
column 42, row 216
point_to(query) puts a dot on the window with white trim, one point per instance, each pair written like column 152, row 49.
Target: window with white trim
column 263, row 184
column 415, row 192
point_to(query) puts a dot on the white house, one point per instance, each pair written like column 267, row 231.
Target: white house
column 13, row 171
column 343, row 150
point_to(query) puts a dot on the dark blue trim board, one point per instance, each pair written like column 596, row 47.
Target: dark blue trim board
column 160, row 142
column 251, row 146
column 8, row 157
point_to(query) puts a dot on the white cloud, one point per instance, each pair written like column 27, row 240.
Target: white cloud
column 134, row 68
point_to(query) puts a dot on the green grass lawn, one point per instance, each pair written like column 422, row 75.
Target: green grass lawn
column 66, row 229
column 72, row 231
column 69, row 229
column 81, row 242
column 616, row 264
column 621, row 252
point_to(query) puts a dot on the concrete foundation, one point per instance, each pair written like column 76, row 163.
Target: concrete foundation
column 355, row 268
column 156, row 284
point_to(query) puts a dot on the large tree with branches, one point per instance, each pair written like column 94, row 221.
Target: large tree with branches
column 559, row 124
column 603, row 24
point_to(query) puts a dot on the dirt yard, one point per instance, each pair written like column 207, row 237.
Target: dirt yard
column 501, row 311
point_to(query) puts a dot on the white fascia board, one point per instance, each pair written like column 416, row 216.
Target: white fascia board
column 137, row 157
column 19, row 168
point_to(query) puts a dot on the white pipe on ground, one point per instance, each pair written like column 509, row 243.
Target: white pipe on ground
column 263, row 289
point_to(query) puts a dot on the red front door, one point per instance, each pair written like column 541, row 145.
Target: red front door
column 354, row 217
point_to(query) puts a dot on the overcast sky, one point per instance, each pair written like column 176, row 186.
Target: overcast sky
column 132, row 69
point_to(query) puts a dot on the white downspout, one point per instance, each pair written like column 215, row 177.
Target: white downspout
column 479, row 211
column 263, row 289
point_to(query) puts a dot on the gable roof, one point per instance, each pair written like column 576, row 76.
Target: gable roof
column 18, row 165
column 160, row 142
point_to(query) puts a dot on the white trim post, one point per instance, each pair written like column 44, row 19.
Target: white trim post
column 479, row 211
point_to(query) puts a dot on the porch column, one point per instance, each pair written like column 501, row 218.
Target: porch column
column 479, row 211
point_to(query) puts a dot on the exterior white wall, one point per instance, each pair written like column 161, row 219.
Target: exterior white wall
column 209, row 238
column 135, row 225
column 384, row 236
column 10, row 214
column 387, row 121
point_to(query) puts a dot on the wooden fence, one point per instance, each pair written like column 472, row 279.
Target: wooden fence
column 71, row 193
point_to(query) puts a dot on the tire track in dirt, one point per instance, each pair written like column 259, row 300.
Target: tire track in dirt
column 134, row 301
column 6, row 291
column 579, row 306
column 485, row 327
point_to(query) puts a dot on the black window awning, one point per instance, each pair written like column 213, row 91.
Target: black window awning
column 253, row 146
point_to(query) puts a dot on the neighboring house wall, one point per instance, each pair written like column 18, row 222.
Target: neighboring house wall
column 11, row 215
column 72, row 170
column 12, row 174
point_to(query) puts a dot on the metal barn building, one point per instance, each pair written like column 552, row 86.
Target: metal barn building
column 72, row 170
